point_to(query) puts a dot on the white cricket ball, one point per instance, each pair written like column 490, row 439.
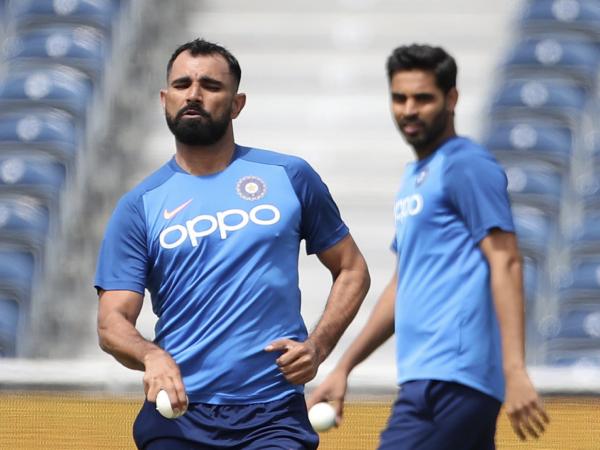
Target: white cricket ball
column 163, row 405
column 322, row 416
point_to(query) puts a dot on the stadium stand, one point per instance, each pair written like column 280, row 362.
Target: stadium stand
column 53, row 77
column 24, row 220
column 48, row 131
column 534, row 183
column 541, row 119
column 60, row 87
column 9, row 325
column 73, row 45
column 561, row 15
column 18, row 277
column 531, row 139
column 555, row 98
column 568, row 57
column 23, row 14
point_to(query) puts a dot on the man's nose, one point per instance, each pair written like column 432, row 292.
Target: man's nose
column 194, row 93
column 410, row 108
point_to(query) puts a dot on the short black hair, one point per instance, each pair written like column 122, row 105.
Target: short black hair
column 424, row 57
column 203, row 47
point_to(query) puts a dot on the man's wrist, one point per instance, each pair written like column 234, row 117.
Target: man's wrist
column 318, row 348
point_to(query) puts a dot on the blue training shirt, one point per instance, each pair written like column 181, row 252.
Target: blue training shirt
column 219, row 256
column 445, row 320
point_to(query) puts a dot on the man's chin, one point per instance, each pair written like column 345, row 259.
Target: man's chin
column 416, row 141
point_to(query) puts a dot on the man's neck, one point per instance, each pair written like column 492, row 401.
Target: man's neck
column 429, row 149
column 205, row 160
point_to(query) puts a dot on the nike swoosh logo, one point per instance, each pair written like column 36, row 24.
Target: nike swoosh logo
column 170, row 214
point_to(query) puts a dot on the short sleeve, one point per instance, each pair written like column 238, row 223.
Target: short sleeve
column 477, row 187
column 123, row 257
column 321, row 226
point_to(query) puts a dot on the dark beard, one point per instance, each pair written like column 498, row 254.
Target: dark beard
column 203, row 130
column 430, row 133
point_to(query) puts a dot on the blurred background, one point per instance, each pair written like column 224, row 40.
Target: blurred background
column 81, row 123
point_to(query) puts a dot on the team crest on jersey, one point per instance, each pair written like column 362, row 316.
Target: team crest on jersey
column 251, row 188
column 421, row 177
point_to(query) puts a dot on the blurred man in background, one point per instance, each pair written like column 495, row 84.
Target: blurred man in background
column 214, row 236
column 455, row 301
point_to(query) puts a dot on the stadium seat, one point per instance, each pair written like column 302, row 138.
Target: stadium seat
column 24, row 220
column 9, row 326
column 577, row 337
column 585, row 237
column 534, row 182
column 581, row 282
column 555, row 55
column 530, row 139
column 559, row 15
column 40, row 130
column 81, row 47
column 580, row 322
column 33, row 175
column 559, row 99
column 583, row 357
column 28, row 14
column 18, row 272
column 535, row 229
column 57, row 86
column 530, row 279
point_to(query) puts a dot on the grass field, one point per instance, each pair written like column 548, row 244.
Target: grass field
column 65, row 421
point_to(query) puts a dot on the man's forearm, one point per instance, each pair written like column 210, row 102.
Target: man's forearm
column 378, row 329
column 507, row 291
column 346, row 296
column 118, row 337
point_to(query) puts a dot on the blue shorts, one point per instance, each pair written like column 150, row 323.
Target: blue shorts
column 433, row 415
column 281, row 424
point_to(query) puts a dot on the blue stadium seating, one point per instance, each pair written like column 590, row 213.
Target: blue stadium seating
column 535, row 229
column 535, row 183
column 581, row 283
column 586, row 237
column 555, row 55
column 530, row 279
column 560, row 99
column 18, row 272
column 73, row 45
column 591, row 195
column 33, row 175
column 530, row 139
column 580, row 322
column 561, row 357
column 18, row 275
column 560, row 15
column 53, row 62
column 27, row 14
column 57, row 86
column 9, row 326
column 40, row 130
column 577, row 337
column 24, row 220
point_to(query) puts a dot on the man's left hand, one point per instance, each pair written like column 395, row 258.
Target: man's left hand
column 298, row 362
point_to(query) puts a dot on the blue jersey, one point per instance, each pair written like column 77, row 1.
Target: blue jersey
column 446, row 326
column 219, row 256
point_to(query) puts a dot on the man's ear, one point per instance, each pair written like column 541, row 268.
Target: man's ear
column 239, row 101
column 163, row 98
column 451, row 99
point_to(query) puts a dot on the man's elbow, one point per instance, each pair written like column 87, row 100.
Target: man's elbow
column 103, row 331
column 364, row 276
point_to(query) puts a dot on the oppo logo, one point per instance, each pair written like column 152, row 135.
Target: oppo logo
column 224, row 222
column 408, row 206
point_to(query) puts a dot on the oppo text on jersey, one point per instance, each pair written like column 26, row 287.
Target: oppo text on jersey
column 222, row 222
